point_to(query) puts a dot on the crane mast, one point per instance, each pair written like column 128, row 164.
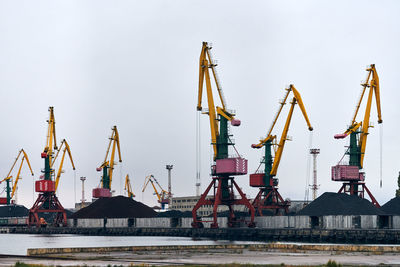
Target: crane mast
column 352, row 174
column 66, row 149
column 9, row 178
column 223, row 166
column 268, row 196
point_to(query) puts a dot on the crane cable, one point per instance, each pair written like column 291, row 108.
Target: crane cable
column 74, row 187
column 120, row 178
column 380, row 152
column 198, row 154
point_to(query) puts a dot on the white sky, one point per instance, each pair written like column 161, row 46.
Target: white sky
column 134, row 64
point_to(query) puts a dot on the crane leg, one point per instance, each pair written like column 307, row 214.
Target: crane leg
column 47, row 202
column 221, row 199
column 353, row 189
column 269, row 198
column 202, row 201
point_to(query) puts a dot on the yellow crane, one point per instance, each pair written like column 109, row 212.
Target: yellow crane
column 223, row 165
column 162, row 195
column 9, row 177
column 47, row 200
column 66, row 149
column 128, row 187
column 268, row 196
column 108, row 165
column 351, row 174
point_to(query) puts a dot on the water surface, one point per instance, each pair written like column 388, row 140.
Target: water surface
column 17, row 244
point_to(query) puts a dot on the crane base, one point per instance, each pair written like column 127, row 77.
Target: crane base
column 353, row 188
column 269, row 198
column 47, row 202
column 223, row 195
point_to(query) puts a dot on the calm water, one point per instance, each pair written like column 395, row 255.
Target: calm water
column 17, row 244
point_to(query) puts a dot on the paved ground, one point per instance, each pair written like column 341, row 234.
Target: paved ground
column 245, row 256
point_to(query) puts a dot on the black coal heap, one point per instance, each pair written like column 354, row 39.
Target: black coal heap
column 339, row 204
column 115, row 207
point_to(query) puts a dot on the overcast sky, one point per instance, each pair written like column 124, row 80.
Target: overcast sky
column 134, row 64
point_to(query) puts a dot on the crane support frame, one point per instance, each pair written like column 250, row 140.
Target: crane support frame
column 223, row 192
column 47, row 202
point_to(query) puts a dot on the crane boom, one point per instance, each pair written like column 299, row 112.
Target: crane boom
column 204, row 74
column 68, row 150
column 160, row 195
column 51, row 141
column 297, row 99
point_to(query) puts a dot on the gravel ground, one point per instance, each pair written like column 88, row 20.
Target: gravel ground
column 221, row 257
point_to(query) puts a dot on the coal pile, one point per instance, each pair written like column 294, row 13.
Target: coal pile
column 13, row 211
column 115, row 207
column 175, row 214
column 392, row 207
column 339, row 204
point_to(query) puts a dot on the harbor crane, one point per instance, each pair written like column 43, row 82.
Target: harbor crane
column 162, row 195
column 11, row 182
column 107, row 166
column 223, row 167
column 352, row 174
column 47, row 200
column 128, row 187
column 268, row 197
